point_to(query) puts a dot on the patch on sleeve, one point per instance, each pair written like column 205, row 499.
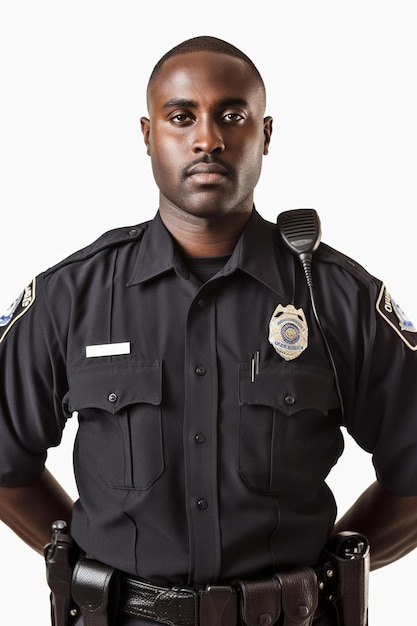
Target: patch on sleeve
column 17, row 309
column 397, row 319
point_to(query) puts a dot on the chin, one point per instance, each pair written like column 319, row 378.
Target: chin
column 208, row 212
column 214, row 207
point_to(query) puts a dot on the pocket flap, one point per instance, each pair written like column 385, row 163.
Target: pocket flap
column 289, row 388
column 112, row 386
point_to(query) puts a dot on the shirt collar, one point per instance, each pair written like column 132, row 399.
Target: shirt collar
column 257, row 253
column 157, row 254
column 252, row 254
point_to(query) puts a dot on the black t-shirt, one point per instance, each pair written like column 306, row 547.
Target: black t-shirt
column 205, row 268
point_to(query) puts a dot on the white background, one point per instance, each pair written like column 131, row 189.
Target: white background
column 341, row 79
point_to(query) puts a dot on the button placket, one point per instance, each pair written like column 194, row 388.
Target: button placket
column 200, row 439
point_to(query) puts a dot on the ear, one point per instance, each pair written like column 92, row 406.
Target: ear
column 267, row 133
column 146, row 130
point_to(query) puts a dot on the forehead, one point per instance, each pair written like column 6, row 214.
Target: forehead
column 200, row 76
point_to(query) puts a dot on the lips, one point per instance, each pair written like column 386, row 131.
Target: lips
column 208, row 168
column 209, row 174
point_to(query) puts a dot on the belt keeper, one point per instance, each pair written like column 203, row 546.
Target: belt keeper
column 218, row 606
column 93, row 585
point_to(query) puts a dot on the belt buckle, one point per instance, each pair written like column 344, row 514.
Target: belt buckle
column 218, row 606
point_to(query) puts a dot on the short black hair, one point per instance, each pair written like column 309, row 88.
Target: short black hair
column 206, row 43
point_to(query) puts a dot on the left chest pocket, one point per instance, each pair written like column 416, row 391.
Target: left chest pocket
column 288, row 437
column 120, row 434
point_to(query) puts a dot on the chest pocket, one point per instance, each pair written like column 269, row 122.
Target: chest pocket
column 288, row 437
column 120, row 432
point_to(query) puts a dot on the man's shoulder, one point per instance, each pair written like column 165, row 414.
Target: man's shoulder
column 116, row 237
column 327, row 255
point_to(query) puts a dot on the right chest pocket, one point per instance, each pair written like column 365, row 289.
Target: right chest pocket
column 120, row 433
column 288, row 436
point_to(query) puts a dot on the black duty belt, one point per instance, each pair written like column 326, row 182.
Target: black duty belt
column 176, row 606
column 293, row 597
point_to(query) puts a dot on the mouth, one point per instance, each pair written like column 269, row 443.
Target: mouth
column 208, row 173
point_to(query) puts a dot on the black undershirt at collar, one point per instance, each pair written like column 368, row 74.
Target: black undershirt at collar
column 205, row 268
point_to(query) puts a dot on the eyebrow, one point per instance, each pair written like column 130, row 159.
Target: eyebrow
column 226, row 102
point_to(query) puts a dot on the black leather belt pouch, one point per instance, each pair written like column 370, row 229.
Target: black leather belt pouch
column 291, row 596
column 350, row 558
column 94, row 588
column 299, row 591
column 261, row 602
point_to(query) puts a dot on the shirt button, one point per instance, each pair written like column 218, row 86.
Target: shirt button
column 200, row 370
column 202, row 504
column 289, row 400
column 200, row 437
column 112, row 397
column 201, row 302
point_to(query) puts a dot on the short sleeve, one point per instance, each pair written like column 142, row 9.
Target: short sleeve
column 33, row 387
column 384, row 418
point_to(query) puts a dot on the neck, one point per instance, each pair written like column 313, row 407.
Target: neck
column 204, row 236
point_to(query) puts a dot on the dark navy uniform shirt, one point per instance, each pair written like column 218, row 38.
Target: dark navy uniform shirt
column 191, row 467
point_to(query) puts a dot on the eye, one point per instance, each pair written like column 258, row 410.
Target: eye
column 180, row 118
column 232, row 117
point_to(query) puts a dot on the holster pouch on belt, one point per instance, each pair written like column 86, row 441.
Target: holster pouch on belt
column 349, row 556
column 60, row 556
column 261, row 601
column 95, row 590
column 299, row 596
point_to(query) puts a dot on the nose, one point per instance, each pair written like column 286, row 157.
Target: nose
column 208, row 137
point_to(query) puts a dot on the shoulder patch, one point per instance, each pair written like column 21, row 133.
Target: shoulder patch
column 396, row 318
column 17, row 309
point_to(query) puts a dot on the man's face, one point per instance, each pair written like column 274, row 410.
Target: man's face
column 206, row 134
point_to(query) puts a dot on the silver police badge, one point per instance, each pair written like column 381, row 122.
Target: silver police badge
column 288, row 331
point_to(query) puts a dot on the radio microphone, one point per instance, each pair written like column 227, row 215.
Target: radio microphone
column 300, row 231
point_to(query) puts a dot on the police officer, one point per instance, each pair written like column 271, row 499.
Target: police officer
column 209, row 399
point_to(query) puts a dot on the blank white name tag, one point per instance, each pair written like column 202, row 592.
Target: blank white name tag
column 107, row 349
